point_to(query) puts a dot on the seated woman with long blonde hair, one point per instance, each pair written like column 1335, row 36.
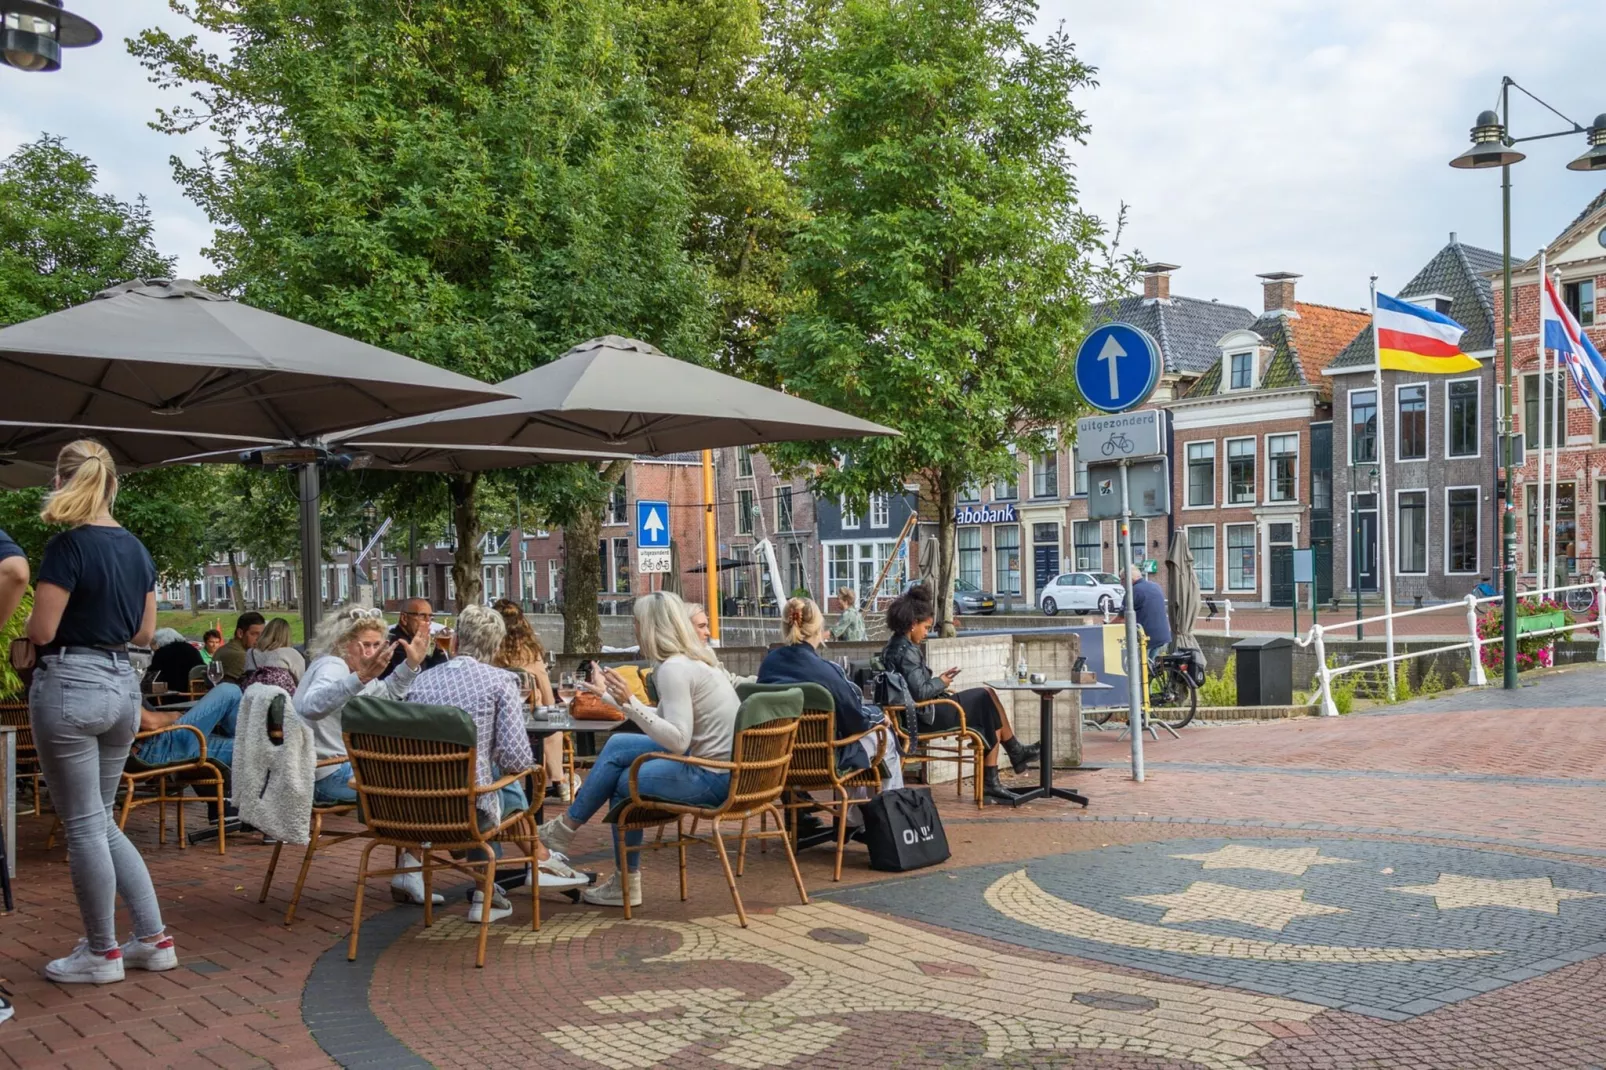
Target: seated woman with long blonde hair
column 695, row 715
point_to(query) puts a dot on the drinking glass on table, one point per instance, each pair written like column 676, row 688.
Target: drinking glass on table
column 214, row 672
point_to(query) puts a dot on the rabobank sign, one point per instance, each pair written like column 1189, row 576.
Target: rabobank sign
column 985, row 514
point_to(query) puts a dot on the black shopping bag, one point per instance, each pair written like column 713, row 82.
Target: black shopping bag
column 903, row 831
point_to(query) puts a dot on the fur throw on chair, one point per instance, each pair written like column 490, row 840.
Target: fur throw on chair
column 272, row 779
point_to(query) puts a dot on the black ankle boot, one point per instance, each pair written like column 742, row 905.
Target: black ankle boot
column 1021, row 756
column 993, row 788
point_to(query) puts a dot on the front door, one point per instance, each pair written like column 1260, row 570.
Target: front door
column 1045, row 555
column 1363, row 543
column 1281, row 573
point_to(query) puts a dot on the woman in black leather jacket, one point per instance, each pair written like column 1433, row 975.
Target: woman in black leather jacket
column 909, row 618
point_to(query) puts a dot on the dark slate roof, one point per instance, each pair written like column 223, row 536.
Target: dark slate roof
column 1593, row 207
column 1300, row 348
column 1282, row 370
column 1186, row 327
column 1458, row 272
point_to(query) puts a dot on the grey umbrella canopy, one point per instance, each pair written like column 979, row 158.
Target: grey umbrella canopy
column 1182, row 593
column 406, row 457
column 170, row 355
column 28, row 451
column 621, row 394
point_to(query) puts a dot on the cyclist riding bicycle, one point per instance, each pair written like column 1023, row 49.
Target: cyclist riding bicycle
column 1148, row 603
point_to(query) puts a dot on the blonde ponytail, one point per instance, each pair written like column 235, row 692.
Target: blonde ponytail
column 86, row 478
column 801, row 621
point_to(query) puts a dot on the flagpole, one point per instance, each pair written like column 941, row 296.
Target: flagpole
column 1559, row 424
column 1383, row 505
column 1538, row 536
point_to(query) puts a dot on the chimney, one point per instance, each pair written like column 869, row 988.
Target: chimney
column 1157, row 281
column 1279, row 289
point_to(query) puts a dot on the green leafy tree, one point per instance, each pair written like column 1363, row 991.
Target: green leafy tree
column 946, row 270
column 479, row 184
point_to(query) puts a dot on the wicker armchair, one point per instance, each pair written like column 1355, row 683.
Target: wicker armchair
column 201, row 773
column 766, row 728
column 15, row 714
column 413, row 769
column 943, row 745
column 814, row 765
column 318, row 840
column 199, row 684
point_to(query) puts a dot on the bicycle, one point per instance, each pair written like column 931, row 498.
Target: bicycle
column 1578, row 601
column 1117, row 442
column 1172, row 690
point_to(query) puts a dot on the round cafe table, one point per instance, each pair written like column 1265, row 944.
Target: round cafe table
column 1045, row 760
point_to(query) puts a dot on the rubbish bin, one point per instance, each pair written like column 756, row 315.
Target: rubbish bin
column 1265, row 670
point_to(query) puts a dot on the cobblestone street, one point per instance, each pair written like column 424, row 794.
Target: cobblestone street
column 1420, row 887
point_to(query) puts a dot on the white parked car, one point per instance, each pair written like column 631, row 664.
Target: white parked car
column 1082, row 592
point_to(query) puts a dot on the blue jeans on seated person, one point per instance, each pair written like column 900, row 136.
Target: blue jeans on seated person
column 513, row 799
column 334, row 788
column 214, row 715
column 609, row 784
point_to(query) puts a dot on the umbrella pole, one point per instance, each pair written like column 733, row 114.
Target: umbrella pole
column 310, row 490
column 710, row 548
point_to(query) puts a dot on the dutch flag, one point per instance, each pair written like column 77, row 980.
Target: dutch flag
column 1573, row 347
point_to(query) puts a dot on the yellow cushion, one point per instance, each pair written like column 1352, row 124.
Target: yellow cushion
column 636, row 677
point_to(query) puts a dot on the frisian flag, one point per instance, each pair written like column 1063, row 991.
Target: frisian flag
column 1564, row 336
column 1411, row 338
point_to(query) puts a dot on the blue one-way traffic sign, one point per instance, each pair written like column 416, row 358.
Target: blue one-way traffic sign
column 652, row 525
column 1117, row 367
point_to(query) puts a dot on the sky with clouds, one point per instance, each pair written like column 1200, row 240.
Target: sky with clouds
column 1243, row 135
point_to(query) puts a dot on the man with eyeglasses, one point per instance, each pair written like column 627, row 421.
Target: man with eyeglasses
column 416, row 613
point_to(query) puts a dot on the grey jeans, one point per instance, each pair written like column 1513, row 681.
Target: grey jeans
column 85, row 711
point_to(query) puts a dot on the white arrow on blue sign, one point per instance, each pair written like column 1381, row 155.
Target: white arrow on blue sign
column 1117, row 367
column 652, row 524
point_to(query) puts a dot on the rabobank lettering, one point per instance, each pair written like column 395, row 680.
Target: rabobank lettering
column 985, row 514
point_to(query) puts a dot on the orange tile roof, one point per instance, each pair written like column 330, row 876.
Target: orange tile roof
column 1320, row 333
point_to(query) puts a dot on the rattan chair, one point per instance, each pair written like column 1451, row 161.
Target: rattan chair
column 766, row 728
column 29, row 774
column 318, row 839
column 814, row 766
column 199, row 683
column 943, row 745
column 413, row 767
column 201, row 773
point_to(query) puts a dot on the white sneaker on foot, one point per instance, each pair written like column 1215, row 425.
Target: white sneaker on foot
column 409, row 887
column 86, row 967
column 608, row 893
column 139, row 955
column 556, row 873
column 555, row 835
column 6, row 1010
column 500, row 907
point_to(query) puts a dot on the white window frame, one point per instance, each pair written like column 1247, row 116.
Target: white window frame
column 1097, row 544
column 980, row 550
column 1187, row 472
column 744, row 462
column 849, row 514
column 1226, row 472
column 1477, row 567
column 1215, row 556
column 1399, row 538
column 1427, row 424
column 880, row 510
column 1349, row 436
column 552, row 570
column 746, row 502
column 1227, row 579
column 1477, row 436
column 791, row 520
column 1266, row 449
column 1254, row 361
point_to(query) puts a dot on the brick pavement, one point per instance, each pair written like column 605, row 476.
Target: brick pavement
column 1053, row 938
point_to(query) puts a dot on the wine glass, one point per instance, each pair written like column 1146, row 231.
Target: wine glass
column 214, row 672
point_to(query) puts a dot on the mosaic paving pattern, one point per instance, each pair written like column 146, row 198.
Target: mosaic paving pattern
column 1387, row 929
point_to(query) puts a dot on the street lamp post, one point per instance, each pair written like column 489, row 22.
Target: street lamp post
column 33, row 33
column 1492, row 146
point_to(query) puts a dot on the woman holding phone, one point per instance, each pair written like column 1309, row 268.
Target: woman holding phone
column 909, row 618
column 95, row 595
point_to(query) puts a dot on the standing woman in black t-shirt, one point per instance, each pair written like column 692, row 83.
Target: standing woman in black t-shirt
column 94, row 595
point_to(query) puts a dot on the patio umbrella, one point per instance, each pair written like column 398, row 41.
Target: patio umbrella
column 672, row 578
column 171, row 356
column 28, row 447
column 620, row 394
column 406, row 457
column 1182, row 593
column 726, row 564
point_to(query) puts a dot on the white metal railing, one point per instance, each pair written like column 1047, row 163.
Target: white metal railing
column 1474, row 644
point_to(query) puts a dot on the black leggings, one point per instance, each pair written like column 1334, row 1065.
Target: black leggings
column 982, row 713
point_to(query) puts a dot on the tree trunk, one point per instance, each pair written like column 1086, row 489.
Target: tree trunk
column 466, row 558
column 582, row 579
column 947, row 539
column 234, row 588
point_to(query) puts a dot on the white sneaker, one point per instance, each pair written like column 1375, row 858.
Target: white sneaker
column 409, row 887
column 500, row 907
column 139, row 955
column 555, row 835
column 608, row 894
column 6, row 1010
column 556, row 873
column 86, row 967
column 567, row 787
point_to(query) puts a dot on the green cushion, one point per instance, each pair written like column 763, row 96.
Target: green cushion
column 815, row 696
column 276, row 714
column 767, row 706
column 408, row 720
